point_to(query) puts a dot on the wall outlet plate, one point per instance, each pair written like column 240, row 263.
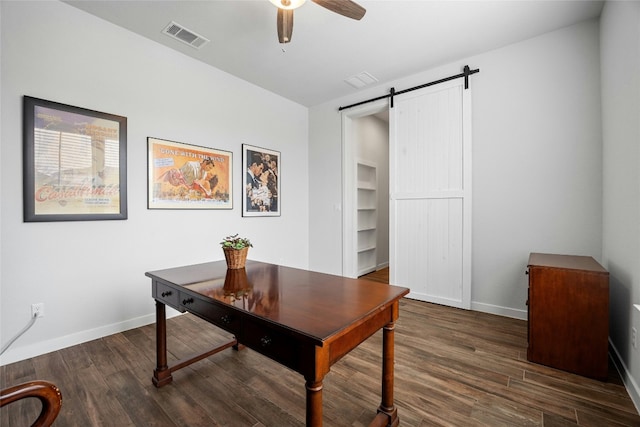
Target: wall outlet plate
column 37, row 310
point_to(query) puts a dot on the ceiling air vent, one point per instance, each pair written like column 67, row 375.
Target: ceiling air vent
column 361, row 80
column 180, row 33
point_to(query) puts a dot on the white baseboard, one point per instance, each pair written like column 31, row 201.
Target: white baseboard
column 500, row 311
column 630, row 384
column 37, row 349
column 382, row 265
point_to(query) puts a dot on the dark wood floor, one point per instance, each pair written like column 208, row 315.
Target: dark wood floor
column 453, row 368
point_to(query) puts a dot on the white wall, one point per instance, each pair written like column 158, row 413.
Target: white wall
column 537, row 168
column 537, row 174
column 90, row 275
column 620, row 51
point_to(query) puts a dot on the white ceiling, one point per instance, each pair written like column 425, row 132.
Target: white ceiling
column 395, row 38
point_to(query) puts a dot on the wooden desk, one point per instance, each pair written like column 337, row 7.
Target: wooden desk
column 304, row 320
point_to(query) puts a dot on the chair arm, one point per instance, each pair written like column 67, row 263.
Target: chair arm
column 45, row 391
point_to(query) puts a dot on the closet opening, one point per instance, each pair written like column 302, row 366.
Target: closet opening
column 366, row 191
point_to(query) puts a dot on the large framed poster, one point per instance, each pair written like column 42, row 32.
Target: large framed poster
column 185, row 176
column 75, row 163
column 261, row 181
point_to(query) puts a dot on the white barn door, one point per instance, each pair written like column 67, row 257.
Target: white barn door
column 430, row 194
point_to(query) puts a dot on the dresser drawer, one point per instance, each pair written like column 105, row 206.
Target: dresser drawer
column 222, row 317
column 166, row 295
column 275, row 344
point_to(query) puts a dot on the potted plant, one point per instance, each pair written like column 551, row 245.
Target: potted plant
column 235, row 250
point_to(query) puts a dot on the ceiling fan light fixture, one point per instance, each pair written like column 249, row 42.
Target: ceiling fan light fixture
column 284, row 22
column 287, row 4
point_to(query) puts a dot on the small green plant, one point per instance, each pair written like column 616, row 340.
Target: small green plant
column 235, row 242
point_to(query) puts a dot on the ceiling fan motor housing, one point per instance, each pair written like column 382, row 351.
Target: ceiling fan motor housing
column 284, row 22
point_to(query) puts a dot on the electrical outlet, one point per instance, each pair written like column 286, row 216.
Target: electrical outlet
column 37, row 310
column 634, row 337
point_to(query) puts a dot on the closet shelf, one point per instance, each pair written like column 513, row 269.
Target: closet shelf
column 367, row 186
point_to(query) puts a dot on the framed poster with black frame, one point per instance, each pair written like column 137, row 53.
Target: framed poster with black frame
column 75, row 163
column 261, row 181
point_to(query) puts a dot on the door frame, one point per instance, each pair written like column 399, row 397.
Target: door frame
column 349, row 178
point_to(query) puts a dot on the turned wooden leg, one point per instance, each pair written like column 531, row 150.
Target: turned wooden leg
column 162, row 374
column 388, row 359
column 314, row 403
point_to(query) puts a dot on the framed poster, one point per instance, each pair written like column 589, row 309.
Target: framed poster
column 261, row 181
column 75, row 163
column 184, row 176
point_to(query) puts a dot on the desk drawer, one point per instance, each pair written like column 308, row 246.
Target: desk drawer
column 274, row 344
column 166, row 295
column 222, row 317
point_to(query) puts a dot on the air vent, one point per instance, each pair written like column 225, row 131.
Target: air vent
column 361, row 80
column 180, row 33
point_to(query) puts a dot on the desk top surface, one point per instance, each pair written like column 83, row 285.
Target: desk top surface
column 316, row 304
column 569, row 262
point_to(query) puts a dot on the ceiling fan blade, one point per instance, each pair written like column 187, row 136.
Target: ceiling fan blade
column 347, row 8
column 285, row 25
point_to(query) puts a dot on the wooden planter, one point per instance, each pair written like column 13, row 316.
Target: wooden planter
column 236, row 258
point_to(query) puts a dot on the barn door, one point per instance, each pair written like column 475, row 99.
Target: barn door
column 430, row 194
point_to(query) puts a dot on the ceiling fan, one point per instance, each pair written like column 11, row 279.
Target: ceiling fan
column 347, row 8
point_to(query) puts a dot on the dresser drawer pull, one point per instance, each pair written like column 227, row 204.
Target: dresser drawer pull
column 166, row 293
column 226, row 319
column 187, row 301
column 265, row 341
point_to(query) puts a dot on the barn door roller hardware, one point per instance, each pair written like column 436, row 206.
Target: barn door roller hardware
column 392, row 92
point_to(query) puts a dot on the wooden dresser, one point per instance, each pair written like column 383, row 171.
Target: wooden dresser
column 568, row 311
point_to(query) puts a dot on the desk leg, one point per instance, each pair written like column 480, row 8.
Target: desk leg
column 162, row 374
column 388, row 355
column 314, row 403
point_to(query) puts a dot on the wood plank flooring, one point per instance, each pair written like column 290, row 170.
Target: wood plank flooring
column 381, row 275
column 453, row 368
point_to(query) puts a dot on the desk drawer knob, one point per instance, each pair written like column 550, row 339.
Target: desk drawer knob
column 187, row 301
column 265, row 341
column 226, row 319
column 166, row 293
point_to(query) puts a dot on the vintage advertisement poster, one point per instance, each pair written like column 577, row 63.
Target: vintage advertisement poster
column 261, row 181
column 184, row 176
column 74, row 163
